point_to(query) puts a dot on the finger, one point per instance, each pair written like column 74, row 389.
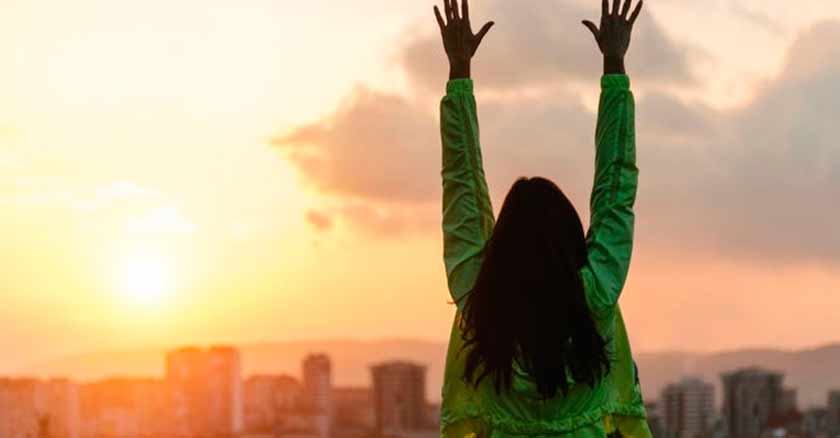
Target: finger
column 605, row 8
column 465, row 10
column 439, row 18
column 447, row 9
column 626, row 8
column 616, row 4
column 636, row 12
column 484, row 29
column 455, row 13
column 593, row 28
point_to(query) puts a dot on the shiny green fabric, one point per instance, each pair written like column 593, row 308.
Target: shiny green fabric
column 615, row 404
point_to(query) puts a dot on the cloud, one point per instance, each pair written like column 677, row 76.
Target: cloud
column 164, row 220
column 388, row 220
column 319, row 220
column 375, row 219
column 373, row 147
column 757, row 17
column 755, row 181
column 787, row 165
column 758, row 181
column 46, row 191
column 112, row 193
column 544, row 45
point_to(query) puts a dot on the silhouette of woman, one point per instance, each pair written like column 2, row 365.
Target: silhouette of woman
column 538, row 345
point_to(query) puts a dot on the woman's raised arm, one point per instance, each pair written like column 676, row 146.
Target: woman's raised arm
column 610, row 237
column 467, row 213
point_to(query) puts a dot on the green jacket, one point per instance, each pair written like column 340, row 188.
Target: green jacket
column 615, row 404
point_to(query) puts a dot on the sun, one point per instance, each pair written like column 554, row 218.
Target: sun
column 146, row 278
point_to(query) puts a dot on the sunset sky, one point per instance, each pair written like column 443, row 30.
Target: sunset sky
column 239, row 171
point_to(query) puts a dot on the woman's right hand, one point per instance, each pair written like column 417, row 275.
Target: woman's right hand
column 458, row 38
column 613, row 36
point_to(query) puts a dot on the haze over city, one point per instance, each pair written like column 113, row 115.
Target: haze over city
column 204, row 172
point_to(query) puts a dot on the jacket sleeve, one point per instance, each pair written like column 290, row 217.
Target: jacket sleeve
column 610, row 236
column 467, row 212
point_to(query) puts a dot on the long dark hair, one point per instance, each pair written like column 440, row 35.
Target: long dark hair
column 528, row 305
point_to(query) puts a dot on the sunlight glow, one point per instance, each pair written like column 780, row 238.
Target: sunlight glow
column 146, row 278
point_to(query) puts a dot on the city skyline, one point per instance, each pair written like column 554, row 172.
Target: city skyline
column 197, row 397
column 754, row 404
column 657, row 369
column 204, row 394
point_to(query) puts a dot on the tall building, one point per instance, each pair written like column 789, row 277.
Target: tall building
column 35, row 408
column 751, row 396
column 206, row 391
column 317, row 392
column 399, row 394
column 317, row 382
column 687, row 408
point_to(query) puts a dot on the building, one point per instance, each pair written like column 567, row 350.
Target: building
column 815, row 422
column 654, row 418
column 124, row 408
column 35, row 408
column 687, row 409
column 787, row 402
column 317, row 383
column 205, row 389
column 433, row 415
column 787, row 418
column 833, row 412
column 354, row 410
column 58, row 403
column 269, row 401
column 19, row 411
column 399, row 397
column 751, row 397
column 317, row 393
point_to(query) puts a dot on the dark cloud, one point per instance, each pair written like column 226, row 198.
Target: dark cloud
column 545, row 44
column 759, row 181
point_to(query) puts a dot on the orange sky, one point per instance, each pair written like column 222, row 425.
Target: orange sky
column 166, row 145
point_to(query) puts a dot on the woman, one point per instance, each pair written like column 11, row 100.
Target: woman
column 538, row 346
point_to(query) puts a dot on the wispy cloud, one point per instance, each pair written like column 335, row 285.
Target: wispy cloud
column 107, row 195
column 163, row 220
column 757, row 17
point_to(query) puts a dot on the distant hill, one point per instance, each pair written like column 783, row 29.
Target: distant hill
column 813, row 372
